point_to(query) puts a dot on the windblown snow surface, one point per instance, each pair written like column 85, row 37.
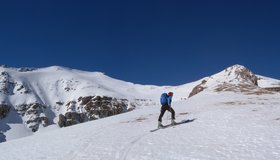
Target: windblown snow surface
column 221, row 126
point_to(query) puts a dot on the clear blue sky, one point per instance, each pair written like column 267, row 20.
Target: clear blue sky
column 161, row 42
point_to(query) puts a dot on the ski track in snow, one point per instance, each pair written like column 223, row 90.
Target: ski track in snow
column 129, row 147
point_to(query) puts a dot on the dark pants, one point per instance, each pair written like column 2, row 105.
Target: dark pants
column 163, row 109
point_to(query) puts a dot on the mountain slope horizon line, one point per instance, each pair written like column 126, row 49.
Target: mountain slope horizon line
column 58, row 67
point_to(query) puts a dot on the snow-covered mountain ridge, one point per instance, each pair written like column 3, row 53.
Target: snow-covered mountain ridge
column 35, row 98
column 237, row 78
column 32, row 98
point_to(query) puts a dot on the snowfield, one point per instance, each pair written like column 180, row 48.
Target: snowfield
column 231, row 115
column 53, row 85
column 226, row 126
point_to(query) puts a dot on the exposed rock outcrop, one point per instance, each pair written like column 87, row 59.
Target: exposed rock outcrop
column 91, row 108
column 21, row 88
column 100, row 107
column 273, row 89
column 243, row 88
column 26, row 69
column 6, row 86
column 197, row 89
column 4, row 110
column 70, row 118
column 33, row 115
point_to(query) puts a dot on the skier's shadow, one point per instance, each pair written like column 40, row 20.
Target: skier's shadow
column 182, row 122
column 187, row 121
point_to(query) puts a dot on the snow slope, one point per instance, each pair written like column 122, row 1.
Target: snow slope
column 48, row 86
column 268, row 82
column 56, row 85
column 223, row 126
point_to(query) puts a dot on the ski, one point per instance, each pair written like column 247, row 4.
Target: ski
column 167, row 126
column 163, row 127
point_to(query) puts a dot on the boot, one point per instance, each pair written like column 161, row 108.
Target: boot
column 160, row 124
column 173, row 122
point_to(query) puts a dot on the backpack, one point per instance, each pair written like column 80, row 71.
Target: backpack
column 163, row 99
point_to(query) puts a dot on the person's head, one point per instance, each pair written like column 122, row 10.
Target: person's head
column 170, row 94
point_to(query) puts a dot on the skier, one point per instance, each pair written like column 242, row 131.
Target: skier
column 165, row 101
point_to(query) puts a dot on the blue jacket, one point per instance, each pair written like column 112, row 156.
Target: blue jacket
column 169, row 100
